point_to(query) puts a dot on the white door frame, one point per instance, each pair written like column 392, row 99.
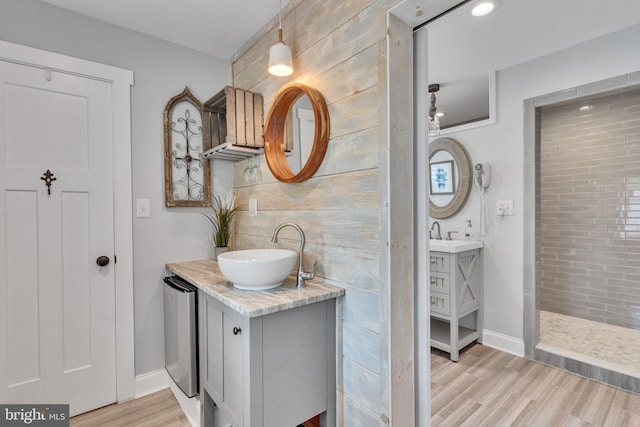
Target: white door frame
column 121, row 81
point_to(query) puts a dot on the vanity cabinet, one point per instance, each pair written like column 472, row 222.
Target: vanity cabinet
column 456, row 300
column 275, row 369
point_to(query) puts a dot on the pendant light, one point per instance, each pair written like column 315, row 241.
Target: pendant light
column 280, row 62
column 434, row 122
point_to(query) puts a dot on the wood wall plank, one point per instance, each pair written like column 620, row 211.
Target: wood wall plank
column 356, row 190
column 340, row 49
column 352, row 228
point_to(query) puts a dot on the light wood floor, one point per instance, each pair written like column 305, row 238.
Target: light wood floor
column 485, row 388
column 491, row 388
column 159, row 409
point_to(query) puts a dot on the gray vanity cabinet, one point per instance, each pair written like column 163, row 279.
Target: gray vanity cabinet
column 456, row 300
column 221, row 366
column 277, row 369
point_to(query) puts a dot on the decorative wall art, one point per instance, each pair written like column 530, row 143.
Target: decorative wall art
column 187, row 172
column 442, row 177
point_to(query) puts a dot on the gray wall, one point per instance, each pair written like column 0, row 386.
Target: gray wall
column 161, row 70
column 590, row 210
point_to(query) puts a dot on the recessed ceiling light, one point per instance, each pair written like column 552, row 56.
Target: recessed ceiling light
column 439, row 114
column 586, row 107
column 484, row 7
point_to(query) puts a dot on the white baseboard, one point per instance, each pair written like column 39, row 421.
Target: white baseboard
column 503, row 342
column 159, row 380
column 151, row 382
column 190, row 405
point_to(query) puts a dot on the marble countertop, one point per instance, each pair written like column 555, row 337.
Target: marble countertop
column 206, row 276
column 453, row 246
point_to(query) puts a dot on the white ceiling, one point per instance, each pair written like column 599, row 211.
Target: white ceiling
column 462, row 49
column 216, row 27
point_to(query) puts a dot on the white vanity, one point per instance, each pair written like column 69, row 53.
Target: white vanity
column 456, row 294
column 267, row 358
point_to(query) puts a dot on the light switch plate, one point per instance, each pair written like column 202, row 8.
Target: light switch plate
column 143, row 208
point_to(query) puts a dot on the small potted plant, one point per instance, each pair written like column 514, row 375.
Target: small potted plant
column 224, row 211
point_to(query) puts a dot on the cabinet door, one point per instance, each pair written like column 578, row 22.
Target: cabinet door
column 468, row 281
column 223, row 359
column 233, row 365
column 212, row 366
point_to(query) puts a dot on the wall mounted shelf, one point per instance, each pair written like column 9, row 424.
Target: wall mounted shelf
column 233, row 121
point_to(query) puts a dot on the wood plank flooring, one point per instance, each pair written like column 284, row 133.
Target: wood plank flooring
column 490, row 388
column 160, row 409
column 485, row 388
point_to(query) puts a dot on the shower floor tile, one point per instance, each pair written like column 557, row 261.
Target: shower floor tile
column 612, row 347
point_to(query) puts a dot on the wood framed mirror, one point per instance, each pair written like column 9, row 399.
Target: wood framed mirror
column 279, row 130
column 444, row 203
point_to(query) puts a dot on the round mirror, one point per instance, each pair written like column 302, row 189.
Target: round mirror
column 449, row 177
column 298, row 114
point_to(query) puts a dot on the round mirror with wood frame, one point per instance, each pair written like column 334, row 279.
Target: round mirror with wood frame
column 276, row 131
column 462, row 162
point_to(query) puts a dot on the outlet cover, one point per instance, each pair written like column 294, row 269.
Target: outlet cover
column 506, row 206
column 253, row 207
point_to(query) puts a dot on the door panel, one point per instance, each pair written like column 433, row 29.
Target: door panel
column 59, row 117
column 60, row 308
column 22, row 301
column 77, row 296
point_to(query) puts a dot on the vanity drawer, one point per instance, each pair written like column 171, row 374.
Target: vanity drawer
column 439, row 282
column 440, row 303
column 439, row 262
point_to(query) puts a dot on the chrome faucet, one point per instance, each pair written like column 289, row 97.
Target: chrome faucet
column 302, row 275
column 438, row 236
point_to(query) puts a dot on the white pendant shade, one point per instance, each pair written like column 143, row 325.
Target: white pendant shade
column 280, row 62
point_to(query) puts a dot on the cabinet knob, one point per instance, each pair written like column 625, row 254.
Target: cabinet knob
column 236, row 330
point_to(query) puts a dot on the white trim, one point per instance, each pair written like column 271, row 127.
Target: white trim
column 190, row 405
column 66, row 64
column 151, row 382
column 120, row 80
column 503, row 342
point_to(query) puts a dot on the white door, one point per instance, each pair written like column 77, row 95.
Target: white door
column 57, row 333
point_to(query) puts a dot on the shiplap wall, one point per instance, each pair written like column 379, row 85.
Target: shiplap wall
column 338, row 48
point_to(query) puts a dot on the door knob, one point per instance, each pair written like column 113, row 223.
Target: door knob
column 102, row 261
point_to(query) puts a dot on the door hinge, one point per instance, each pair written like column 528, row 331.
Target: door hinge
column 115, row 259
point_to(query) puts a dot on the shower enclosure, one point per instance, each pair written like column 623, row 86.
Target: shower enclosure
column 585, row 314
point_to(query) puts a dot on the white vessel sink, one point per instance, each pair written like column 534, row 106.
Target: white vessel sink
column 257, row 269
column 453, row 246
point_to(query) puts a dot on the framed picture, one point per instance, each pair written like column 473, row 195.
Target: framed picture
column 443, row 180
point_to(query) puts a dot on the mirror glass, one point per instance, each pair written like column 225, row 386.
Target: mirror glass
column 449, row 178
column 465, row 97
column 288, row 116
column 300, row 130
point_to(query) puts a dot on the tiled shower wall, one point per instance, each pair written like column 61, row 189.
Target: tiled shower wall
column 590, row 209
